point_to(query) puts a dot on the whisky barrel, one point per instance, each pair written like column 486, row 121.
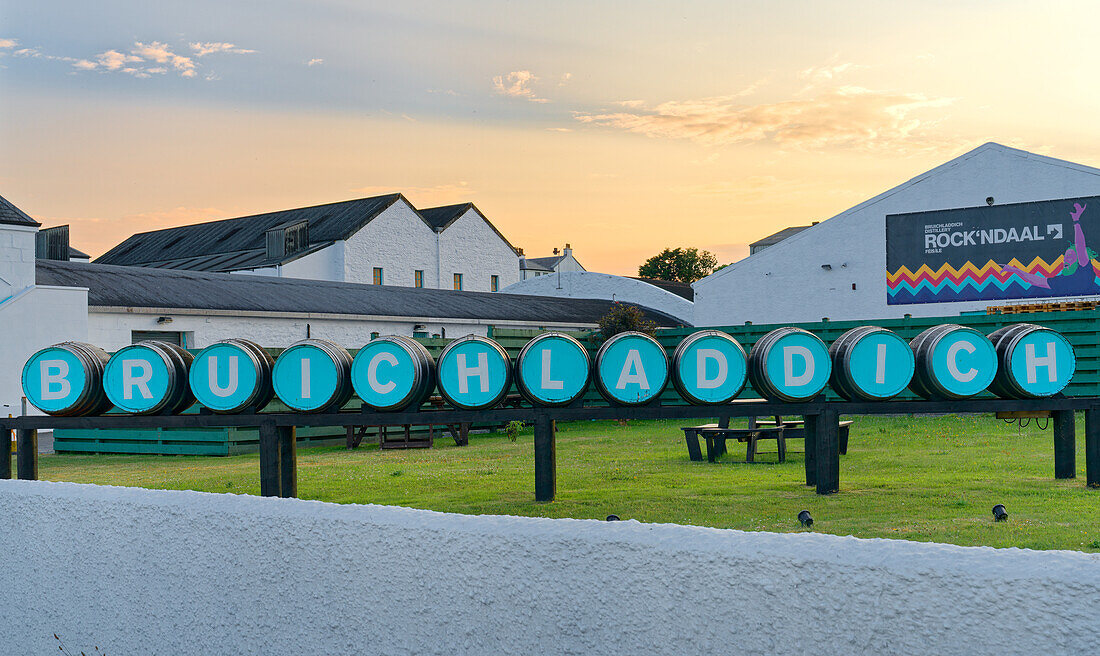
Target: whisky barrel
column 553, row 369
column 393, row 373
column 149, row 377
column 870, row 364
column 232, row 375
column 790, row 365
column 952, row 362
column 1033, row 362
column 709, row 367
column 475, row 373
column 313, row 375
column 66, row 380
column 631, row 369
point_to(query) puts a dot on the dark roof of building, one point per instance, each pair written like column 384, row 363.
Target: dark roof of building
column 240, row 243
column 681, row 289
column 547, row 262
column 12, row 215
column 441, row 217
column 121, row 286
column 533, row 264
column 777, row 237
column 75, row 253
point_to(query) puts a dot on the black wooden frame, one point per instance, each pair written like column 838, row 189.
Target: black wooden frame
column 278, row 448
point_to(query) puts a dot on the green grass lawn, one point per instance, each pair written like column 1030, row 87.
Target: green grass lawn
column 929, row 479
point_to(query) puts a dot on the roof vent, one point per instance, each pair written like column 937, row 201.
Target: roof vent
column 52, row 243
column 287, row 239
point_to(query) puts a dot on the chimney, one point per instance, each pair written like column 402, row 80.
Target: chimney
column 568, row 249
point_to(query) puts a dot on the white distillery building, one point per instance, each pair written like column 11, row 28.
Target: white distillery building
column 382, row 240
column 563, row 262
column 46, row 301
column 837, row 268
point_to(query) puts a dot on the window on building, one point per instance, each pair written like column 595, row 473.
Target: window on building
column 418, row 278
column 171, row 336
column 458, row 281
column 494, row 283
column 378, row 275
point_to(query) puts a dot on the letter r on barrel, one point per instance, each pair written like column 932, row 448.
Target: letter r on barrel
column 140, row 381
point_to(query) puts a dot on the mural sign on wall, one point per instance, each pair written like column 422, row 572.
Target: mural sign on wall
column 1022, row 251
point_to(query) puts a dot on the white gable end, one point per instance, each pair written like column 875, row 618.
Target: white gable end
column 788, row 282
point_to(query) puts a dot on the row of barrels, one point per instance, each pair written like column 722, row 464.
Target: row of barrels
column 392, row 373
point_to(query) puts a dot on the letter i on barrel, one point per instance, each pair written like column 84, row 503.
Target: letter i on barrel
column 313, row 375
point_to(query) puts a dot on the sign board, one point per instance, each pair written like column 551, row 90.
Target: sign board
column 1037, row 250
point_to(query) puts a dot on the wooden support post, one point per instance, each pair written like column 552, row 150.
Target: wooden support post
column 5, row 460
column 546, row 466
column 809, row 428
column 269, row 460
column 827, row 451
column 1065, row 445
column 349, row 441
column 26, row 456
column 288, row 462
column 1092, row 447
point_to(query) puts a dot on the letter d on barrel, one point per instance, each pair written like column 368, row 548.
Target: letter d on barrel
column 789, row 364
column 709, row 367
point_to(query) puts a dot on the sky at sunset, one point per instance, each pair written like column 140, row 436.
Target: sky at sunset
column 619, row 127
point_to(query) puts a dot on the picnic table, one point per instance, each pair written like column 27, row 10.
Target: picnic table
column 776, row 429
column 460, row 432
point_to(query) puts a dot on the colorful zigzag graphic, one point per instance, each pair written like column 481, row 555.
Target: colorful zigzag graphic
column 969, row 275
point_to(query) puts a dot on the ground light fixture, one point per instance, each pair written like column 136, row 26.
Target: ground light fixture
column 806, row 519
column 612, row 518
column 999, row 513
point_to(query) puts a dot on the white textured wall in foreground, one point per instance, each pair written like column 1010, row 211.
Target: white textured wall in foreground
column 159, row 572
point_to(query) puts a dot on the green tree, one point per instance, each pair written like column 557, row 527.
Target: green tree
column 682, row 264
column 622, row 318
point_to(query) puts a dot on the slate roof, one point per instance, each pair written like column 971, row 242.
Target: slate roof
column 441, row 217
column 75, row 253
column 532, row 264
column 547, row 263
column 240, row 243
column 122, row 286
column 681, row 289
column 777, row 237
column 12, row 215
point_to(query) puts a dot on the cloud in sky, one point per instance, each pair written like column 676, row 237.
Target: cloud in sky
column 202, row 49
column 846, row 116
column 517, row 84
column 8, row 43
column 316, row 61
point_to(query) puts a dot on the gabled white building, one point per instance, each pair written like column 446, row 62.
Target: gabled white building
column 837, row 268
column 564, row 262
column 382, row 240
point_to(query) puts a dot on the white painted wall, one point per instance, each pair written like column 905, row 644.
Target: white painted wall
column 588, row 284
column 397, row 240
column 31, row 316
column 785, row 282
column 152, row 571
column 471, row 247
column 111, row 328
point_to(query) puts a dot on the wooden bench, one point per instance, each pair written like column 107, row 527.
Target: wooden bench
column 776, row 429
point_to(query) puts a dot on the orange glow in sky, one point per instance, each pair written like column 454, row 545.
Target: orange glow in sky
column 619, row 128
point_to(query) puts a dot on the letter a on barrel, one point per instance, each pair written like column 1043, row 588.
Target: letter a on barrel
column 232, row 376
column 313, row 375
column 149, row 378
column 553, row 369
column 475, row 373
column 66, row 380
column 631, row 369
column 709, row 367
column 789, row 364
column 392, row 373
